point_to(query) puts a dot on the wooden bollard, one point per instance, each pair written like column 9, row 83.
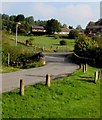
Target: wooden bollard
column 99, row 74
column 96, row 76
column 22, row 87
column 48, row 80
column 84, row 68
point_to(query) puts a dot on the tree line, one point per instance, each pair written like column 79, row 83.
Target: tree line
column 9, row 23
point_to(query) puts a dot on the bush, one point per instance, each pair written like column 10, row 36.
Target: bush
column 63, row 42
column 73, row 34
column 90, row 49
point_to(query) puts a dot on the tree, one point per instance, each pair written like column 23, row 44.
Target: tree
column 64, row 26
column 13, row 18
column 52, row 26
column 5, row 17
column 30, row 20
column 70, row 27
column 79, row 28
column 73, row 34
column 99, row 22
column 91, row 23
column 40, row 23
column 20, row 18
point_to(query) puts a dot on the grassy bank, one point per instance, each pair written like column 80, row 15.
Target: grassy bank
column 76, row 96
column 48, row 43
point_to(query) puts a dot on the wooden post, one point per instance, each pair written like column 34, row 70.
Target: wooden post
column 48, row 80
column 99, row 74
column 8, row 59
column 95, row 76
column 85, row 67
column 22, row 87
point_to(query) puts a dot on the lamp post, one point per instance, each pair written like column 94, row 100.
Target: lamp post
column 18, row 23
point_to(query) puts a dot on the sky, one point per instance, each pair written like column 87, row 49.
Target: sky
column 70, row 13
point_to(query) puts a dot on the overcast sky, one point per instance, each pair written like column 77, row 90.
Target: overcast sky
column 70, row 13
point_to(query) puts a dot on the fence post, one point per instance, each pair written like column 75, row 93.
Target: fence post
column 95, row 76
column 22, row 87
column 48, row 80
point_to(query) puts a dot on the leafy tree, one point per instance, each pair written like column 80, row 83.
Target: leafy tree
column 19, row 18
column 91, row 23
column 13, row 18
column 40, row 23
column 30, row 20
column 5, row 17
column 79, row 28
column 99, row 22
column 64, row 26
column 70, row 27
column 73, row 34
column 52, row 26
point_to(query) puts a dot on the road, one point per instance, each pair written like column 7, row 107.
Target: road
column 56, row 65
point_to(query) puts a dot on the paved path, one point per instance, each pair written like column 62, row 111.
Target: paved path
column 56, row 65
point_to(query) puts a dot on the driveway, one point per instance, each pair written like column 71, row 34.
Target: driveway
column 56, row 65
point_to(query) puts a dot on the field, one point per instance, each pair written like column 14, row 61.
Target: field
column 76, row 96
column 39, row 44
column 48, row 42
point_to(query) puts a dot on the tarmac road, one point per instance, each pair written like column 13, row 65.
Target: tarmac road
column 56, row 65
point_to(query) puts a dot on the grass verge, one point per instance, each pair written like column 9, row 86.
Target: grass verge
column 8, row 69
column 76, row 96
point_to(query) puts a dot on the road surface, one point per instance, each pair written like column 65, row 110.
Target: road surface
column 56, row 65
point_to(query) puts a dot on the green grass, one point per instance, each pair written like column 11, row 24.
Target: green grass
column 48, row 43
column 8, row 69
column 76, row 96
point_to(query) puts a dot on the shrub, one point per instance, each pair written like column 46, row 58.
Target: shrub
column 89, row 48
column 63, row 42
column 73, row 34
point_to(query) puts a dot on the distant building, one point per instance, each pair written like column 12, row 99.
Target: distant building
column 38, row 30
column 93, row 30
column 64, row 31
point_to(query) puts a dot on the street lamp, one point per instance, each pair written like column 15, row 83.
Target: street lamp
column 18, row 23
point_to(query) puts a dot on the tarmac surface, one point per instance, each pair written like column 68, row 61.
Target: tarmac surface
column 57, row 65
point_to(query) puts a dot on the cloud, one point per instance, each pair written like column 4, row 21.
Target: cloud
column 78, row 14
column 44, row 9
column 80, row 11
column 69, row 13
column 65, row 12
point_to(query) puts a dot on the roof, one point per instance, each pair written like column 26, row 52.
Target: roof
column 65, row 30
column 94, row 27
column 38, row 27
